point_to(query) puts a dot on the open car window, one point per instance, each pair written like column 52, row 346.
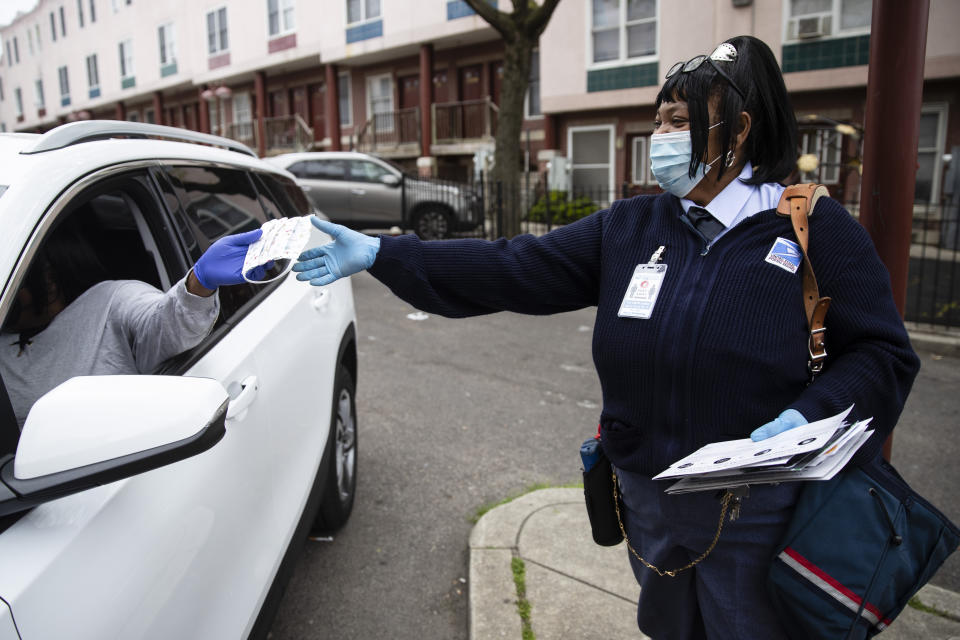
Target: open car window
column 114, row 229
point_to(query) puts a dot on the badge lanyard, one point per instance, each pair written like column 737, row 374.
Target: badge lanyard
column 644, row 288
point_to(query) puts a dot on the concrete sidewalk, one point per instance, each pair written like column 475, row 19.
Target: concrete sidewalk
column 578, row 590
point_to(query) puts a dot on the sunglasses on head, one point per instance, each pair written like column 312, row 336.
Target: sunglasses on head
column 725, row 52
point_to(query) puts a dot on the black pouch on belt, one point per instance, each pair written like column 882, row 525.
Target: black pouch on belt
column 598, row 490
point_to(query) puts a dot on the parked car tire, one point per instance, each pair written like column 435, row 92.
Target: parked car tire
column 341, row 482
column 432, row 222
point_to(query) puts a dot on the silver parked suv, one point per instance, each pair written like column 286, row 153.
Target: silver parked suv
column 366, row 192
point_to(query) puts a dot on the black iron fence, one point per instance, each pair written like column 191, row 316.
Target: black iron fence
column 486, row 209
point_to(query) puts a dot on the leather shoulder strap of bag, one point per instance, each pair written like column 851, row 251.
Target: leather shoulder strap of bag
column 797, row 203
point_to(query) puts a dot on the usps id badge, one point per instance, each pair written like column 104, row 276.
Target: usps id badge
column 642, row 291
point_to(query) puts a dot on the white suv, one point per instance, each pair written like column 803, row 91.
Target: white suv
column 169, row 505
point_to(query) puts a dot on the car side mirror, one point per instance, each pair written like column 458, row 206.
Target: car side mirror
column 390, row 180
column 93, row 430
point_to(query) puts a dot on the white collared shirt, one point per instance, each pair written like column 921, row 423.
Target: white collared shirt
column 739, row 201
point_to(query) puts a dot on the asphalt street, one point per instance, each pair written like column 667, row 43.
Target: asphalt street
column 458, row 414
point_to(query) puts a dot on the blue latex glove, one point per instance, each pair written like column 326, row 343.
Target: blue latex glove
column 350, row 252
column 787, row 420
column 222, row 262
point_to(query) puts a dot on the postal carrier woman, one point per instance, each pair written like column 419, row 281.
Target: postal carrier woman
column 718, row 351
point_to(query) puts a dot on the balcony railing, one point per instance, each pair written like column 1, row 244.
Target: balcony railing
column 287, row 133
column 245, row 132
column 390, row 131
column 467, row 121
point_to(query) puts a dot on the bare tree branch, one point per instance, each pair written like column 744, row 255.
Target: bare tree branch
column 494, row 17
column 537, row 21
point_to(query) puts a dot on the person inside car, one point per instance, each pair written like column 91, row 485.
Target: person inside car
column 70, row 319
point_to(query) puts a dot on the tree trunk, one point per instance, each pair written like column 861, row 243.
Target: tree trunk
column 507, row 165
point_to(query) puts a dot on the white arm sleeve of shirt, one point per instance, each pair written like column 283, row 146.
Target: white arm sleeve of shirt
column 160, row 325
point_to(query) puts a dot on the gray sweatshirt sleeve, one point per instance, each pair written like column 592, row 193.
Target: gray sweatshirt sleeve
column 160, row 325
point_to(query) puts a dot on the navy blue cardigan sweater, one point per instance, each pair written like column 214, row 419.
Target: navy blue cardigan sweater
column 726, row 347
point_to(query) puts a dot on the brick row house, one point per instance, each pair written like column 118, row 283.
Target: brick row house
column 418, row 81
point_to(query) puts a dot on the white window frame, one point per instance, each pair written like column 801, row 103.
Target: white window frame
column 363, row 11
column 828, row 169
column 93, row 12
column 349, row 115
column 622, row 60
column 221, row 49
column 835, row 30
column 153, row 115
column 133, row 116
column 526, row 98
column 284, row 7
column 371, row 81
column 39, row 98
column 167, row 46
column 18, row 101
column 640, row 161
column 125, row 49
column 30, row 39
column 36, row 29
column 942, row 110
column 80, row 13
column 246, row 100
column 611, row 154
column 63, row 75
column 95, row 76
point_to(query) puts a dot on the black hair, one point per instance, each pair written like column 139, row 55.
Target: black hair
column 771, row 145
column 66, row 265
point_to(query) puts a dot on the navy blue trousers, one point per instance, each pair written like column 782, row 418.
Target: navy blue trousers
column 724, row 597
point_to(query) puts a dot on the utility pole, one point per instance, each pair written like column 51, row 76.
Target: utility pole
column 898, row 43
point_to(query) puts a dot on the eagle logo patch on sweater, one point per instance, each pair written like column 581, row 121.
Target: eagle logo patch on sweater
column 785, row 254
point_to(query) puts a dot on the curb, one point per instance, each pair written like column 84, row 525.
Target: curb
column 939, row 343
column 560, row 599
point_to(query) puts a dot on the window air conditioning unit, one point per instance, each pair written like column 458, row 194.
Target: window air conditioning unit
column 809, row 27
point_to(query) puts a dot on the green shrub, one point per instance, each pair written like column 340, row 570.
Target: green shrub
column 563, row 210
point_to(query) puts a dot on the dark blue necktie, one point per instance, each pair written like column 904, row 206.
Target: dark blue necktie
column 704, row 223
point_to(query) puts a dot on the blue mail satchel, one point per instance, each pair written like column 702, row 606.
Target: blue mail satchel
column 861, row 545
column 858, row 548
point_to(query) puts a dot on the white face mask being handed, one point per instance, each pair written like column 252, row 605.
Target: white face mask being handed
column 670, row 162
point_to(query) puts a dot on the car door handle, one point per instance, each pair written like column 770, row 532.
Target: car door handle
column 358, row 192
column 244, row 399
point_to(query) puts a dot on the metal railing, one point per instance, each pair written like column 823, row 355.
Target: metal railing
column 287, row 133
column 245, row 132
column 390, row 131
column 933, row 278
column 470, row 120
column 933, row 288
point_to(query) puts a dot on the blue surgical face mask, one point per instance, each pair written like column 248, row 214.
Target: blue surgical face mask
column 670, row 162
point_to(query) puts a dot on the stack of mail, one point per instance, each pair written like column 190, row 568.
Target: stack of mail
column 815, row 451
